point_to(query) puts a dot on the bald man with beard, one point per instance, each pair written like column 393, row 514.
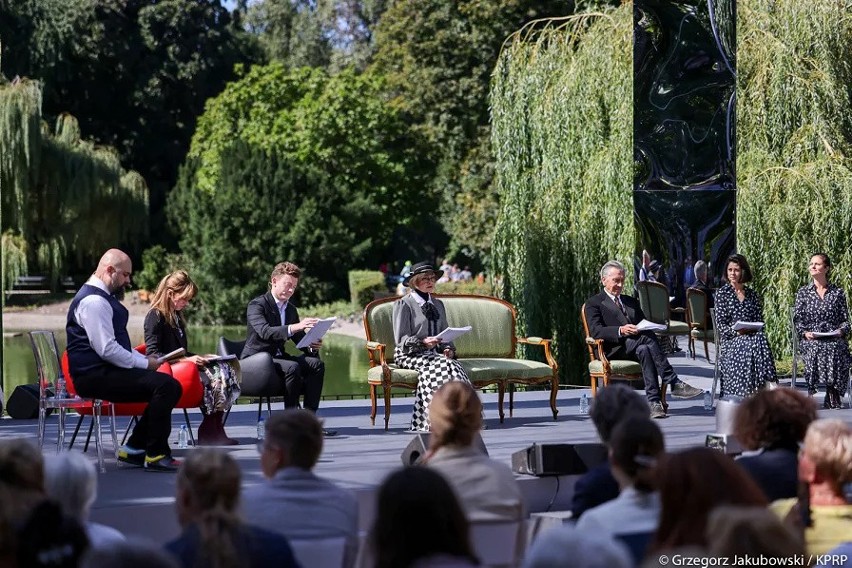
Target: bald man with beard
column 104, row 365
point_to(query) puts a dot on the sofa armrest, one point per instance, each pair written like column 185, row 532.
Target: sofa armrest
column 548, row 354
column 376, row 351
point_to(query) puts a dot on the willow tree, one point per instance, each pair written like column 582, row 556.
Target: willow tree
column 64, row 200
column 794, row 91
column 562, row 108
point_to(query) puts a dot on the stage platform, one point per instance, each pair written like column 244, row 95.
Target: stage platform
column 360, row 456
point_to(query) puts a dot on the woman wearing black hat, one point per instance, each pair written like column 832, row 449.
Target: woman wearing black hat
column 417, row 318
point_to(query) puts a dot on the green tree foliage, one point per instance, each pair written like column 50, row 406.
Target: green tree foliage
column 438, row 56
column 136, row 73
column 64, row 200
column 794, row 123
column 294, row 166
column 562, row 138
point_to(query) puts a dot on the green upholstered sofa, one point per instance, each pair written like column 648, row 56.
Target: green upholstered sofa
column 487, row 352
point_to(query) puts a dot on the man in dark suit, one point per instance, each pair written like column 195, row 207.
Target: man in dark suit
column 701, row 283
column 613, row 317
column 272, row 320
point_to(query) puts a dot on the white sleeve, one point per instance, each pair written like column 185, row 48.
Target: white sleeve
column 94, row 314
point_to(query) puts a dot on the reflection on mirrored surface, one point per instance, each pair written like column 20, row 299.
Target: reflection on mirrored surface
column 679, row 228
column 684, row 94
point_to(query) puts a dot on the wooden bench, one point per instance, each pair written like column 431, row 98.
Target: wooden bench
column 487, row 353
column 39, row 285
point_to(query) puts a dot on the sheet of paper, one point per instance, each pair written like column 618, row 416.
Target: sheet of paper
column 649, row 325
column 316, row 333
column 451, row 333
column 748, row 326
column 179, row 352
column 212, row 358
column 835, row 333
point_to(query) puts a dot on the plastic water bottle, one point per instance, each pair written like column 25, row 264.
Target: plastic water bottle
column 60, row 391
column 182, row 437
column 261, row 429
column 708, row 400
column 584, row 403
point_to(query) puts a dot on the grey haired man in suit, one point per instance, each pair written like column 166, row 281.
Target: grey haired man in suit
column 293, row 500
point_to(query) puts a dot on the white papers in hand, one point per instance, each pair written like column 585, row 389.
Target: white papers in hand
column 451, row 333
column 316, row 333
column 649, row 325
column 179, row 352
column 212, row 358
column 748, row 326
column 835, row 333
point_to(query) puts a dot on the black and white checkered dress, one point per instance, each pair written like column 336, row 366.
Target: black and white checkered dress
column 412, row 323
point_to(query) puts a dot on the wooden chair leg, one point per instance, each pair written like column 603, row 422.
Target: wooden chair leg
column 706, row 351
column 511, row 400
column 387, row 405
column 554, row 389
column 594, row 379
column 663, row 388
column 373, row 405
column 691, row 346
column 501, row 393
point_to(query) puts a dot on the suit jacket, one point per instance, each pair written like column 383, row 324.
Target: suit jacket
column 486, row 488
column 160, row 337
column 300, row 505
column 595, row 487
column 604, row 319
column 265, row 331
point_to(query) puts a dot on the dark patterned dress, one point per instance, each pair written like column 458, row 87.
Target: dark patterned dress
column 827, row 359
column 413, row 322
column 745, row 362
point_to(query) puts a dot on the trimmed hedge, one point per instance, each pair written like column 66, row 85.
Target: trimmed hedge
column 468, row 287
column 363, row 285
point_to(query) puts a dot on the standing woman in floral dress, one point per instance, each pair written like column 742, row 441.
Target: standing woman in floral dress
column 821, row 307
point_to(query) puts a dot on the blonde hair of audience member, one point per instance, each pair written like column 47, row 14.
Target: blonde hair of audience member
column 21, row 489
column 692, row 483
column 750, row 531
column 636, row 445
column 456, row 416
column 71, row 480
column 293, row 439
column 569, row 546
column 208, row 492
column 176, row 285
column 825, row 462
column 776, row 418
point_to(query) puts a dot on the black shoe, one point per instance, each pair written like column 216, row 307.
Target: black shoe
column 130, row 456
column 329, row 433
column 657, row 410
column 162, row 463
column 682, row 390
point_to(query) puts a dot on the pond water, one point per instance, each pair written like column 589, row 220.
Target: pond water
column 345, row 357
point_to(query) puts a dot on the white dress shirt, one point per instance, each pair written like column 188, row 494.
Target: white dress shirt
column 94, row 314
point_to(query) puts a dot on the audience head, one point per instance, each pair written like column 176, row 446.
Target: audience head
column 773, row 419
column 71, row 480
column 634, row 448
column 128, row 554
column 692, row 483
column 819, row 265
column 750, row 531
column 737, row 269
column 417, row 516
column 173, row 293
column 21, row 488
column 293, row 439
column 284, row 280
column 613, row 404
column 826, row 459
column 114, row 270
column 49, row 538
column 455, row 415
column 700, row 270
column 567, row 546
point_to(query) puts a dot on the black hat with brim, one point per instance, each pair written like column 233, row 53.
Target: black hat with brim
column 422, row 268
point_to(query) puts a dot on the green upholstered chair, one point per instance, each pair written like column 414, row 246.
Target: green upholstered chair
column 604, row 369
column 487, row 352
column 698, row 320
column 654, row 299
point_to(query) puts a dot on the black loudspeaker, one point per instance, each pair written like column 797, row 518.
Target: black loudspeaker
column 23, row 404
column 558, row 459
column 419, row 444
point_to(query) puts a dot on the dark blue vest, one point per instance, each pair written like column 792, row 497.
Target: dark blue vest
column 82, row 359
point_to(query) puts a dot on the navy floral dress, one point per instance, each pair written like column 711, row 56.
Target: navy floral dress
column 745, row 362
column 827, row 359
